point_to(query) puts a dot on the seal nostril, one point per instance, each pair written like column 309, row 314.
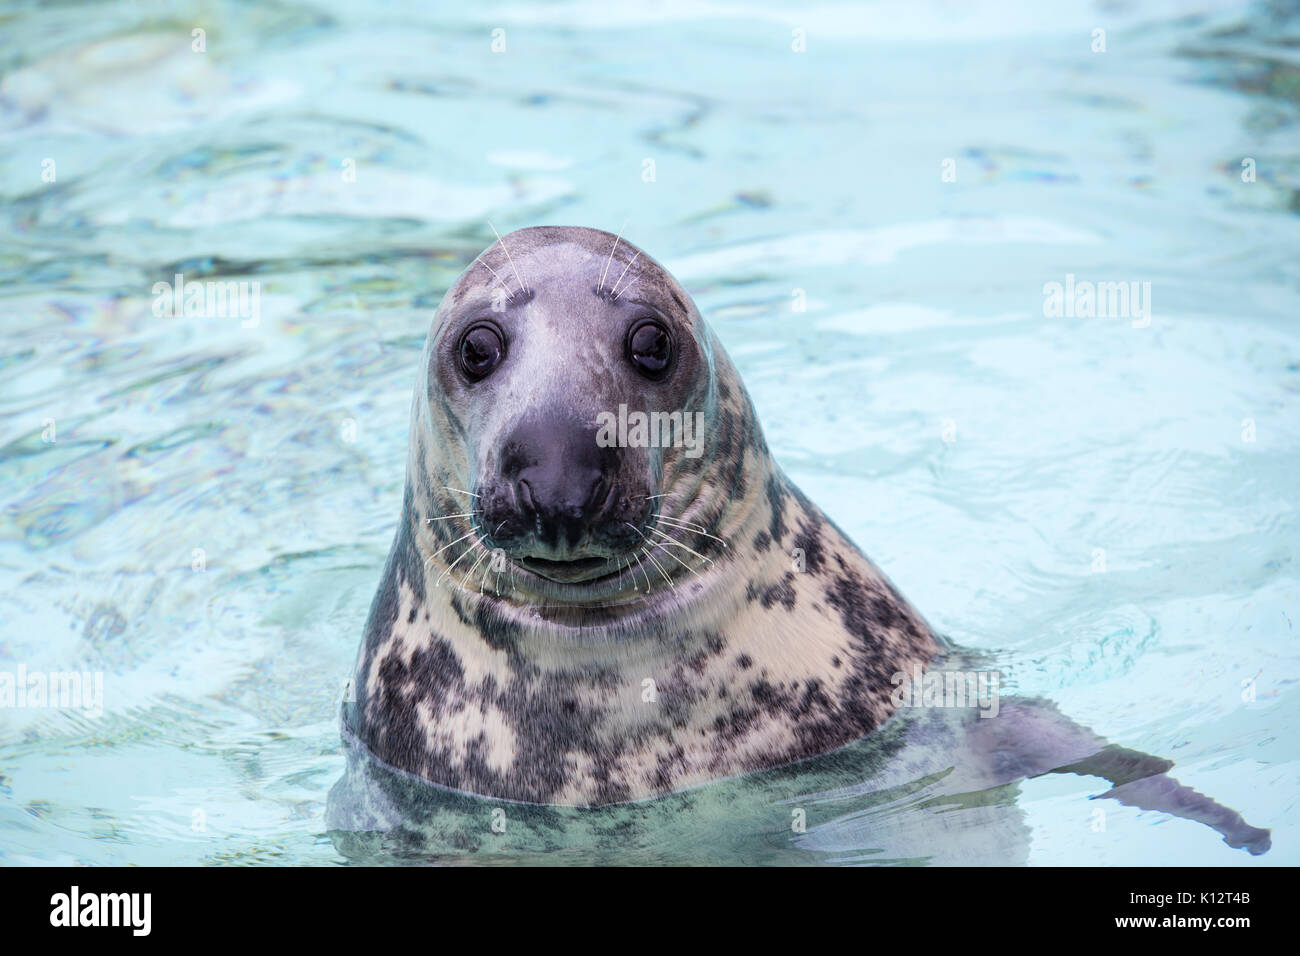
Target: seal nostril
column 597, row 495
column 525, row 495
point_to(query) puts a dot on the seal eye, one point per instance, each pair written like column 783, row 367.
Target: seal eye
column 650, row 348
column 481, row 350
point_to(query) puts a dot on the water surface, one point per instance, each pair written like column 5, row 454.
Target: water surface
column 1110, row 509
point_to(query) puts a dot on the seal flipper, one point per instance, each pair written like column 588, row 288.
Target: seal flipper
column 1140, row 781
column 1031, row 737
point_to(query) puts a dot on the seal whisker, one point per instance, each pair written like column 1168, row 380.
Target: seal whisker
column 631, row 572
column 679, row 522
column 651, row 558
column 624, row 272
column 667, row 580
column 669, row 553
column 483, row 580
column 668, row 539
column 466, row 514
column 479, row 544
column 679, row 560
column 643, row 571
column 462, row 491
column 684, row 526
column 612, row 249
column 509, row 258
column 446, row 546
column 500, row 281
column 447, row 569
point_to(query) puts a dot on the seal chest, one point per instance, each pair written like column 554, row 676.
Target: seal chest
column 602, row 588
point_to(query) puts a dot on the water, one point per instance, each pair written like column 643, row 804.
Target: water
column 1109, row 509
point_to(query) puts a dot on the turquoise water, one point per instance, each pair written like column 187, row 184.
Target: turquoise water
column 198, row 507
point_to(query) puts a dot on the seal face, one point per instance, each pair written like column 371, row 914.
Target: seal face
column 602, row 588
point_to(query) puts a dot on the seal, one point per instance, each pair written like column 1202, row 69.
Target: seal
column 602, row 587
column 565, row 619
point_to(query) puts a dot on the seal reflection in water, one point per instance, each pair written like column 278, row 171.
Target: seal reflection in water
column 603, row 589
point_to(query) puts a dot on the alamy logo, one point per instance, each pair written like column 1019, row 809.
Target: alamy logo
column 1086, row 300
column 651, row 430
column 65, row 689
column 102, row 909
column 209, row 300
column 947, row 689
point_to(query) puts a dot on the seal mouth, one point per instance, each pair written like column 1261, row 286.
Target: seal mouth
column 566, row 572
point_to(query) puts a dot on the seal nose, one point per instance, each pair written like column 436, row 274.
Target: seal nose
column 559, row 480
column 557, row 502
